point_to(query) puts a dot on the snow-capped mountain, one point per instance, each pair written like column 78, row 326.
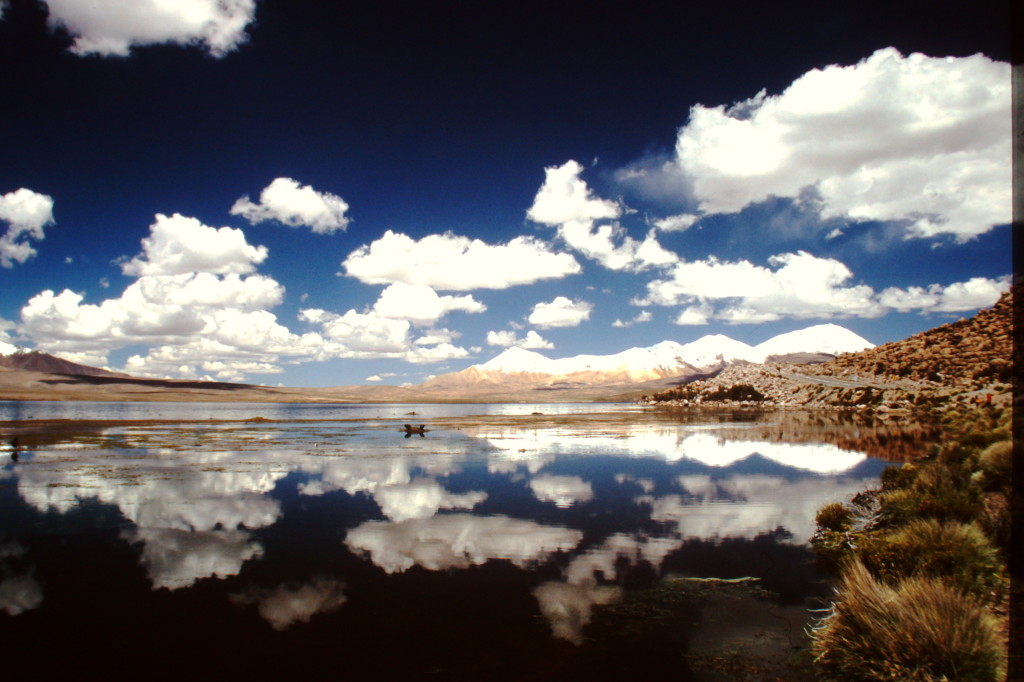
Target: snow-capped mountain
column 830, row 339
column 666, row 359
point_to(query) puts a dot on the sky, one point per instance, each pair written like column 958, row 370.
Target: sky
column 318, row 193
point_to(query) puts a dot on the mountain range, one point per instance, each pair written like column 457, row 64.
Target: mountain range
column 706, row 355
column 516, row 374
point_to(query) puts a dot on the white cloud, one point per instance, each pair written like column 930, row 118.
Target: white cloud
column 113, row 27
column 507, row 338
column 676, row 223
column 802, row 286
column 437, row 336
column 362, row 334
column 565, row 198
column 561, row 312
column 892, row 138
column 26, row 214
column 641, row 317
column 180, row 244
column 420, row 304
column 977, row 292
column 285, row 201
column 370, row 335
column 695, row 315
column 450, row 262
column 565, row 201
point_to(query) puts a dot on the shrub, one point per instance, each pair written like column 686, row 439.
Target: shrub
column 921, row 629
column 996, row 465
column 937, row 492
column 958, row 552
column 897, row 478
column 834, row 517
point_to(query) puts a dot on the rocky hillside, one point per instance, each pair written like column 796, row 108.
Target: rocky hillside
column 967, row 360
column 969, row 354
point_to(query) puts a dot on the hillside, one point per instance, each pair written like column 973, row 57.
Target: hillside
column 34, row 361
column 966, row 360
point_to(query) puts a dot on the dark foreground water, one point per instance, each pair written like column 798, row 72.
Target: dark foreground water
column 518, row 542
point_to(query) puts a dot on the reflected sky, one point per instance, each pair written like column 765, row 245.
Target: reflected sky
column 315, row 523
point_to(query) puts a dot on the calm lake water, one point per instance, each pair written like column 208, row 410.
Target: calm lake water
column 263, row 541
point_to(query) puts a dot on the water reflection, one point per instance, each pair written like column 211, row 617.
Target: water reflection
column 311, row 523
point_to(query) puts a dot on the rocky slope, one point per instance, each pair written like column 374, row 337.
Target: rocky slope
column 968, row 360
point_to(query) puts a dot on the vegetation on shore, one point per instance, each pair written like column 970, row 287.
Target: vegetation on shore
column 923, row 590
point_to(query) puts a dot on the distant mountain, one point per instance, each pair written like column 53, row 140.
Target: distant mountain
column 826, row 339
column 36, row 361
column 519, row 368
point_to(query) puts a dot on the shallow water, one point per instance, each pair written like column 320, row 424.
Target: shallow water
column 262, row 540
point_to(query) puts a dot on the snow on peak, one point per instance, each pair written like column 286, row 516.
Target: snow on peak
column 516, row 359
column 705, row 353
column 822, row 338
column 714, row 348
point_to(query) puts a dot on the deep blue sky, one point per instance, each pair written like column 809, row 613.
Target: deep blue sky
column 449, row 118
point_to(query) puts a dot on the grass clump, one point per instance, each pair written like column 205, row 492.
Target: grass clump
column 922, row 629
column 960, row 553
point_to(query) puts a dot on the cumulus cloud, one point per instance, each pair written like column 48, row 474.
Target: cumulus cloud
column 195, row 303
column 287, row 202
column 561, row 312
column 450, row 262
column 26, row 214
column 566, row 202
column 507, row 338
column 802, row 286
column 640, row 318
column 564, row 198
column 370, row 335
column 975, row 293
column 420, row 304
column 676, row 223
column 180, row 244
column 916, row 139
column 113, row 27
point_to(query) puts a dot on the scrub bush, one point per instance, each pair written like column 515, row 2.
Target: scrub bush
column 957, row 552
column 996, row 466
column 920, row 629
column 834, row 517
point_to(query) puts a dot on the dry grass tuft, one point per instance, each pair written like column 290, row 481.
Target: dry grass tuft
column 920, row 630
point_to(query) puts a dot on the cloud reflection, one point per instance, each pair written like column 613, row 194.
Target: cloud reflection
column 293, row 603
column 458, row 541
column 178, row 558
column 20, row 591
column 564, row 491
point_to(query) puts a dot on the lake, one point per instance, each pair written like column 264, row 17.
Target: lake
column 505, row 542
